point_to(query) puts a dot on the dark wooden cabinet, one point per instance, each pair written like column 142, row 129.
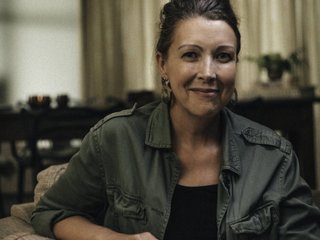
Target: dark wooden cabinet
column 294, row 119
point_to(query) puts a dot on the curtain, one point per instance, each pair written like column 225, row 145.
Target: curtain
column 118, row 47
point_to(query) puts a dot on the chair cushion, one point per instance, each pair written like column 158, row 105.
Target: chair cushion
column 46, row 178
column 12, row 225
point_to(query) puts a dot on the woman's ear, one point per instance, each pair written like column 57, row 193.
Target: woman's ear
column 161, row 62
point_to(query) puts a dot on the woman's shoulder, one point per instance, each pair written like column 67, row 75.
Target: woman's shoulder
column 127, row 117
column 256, row 133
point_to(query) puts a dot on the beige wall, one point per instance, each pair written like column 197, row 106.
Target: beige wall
column 40, row 48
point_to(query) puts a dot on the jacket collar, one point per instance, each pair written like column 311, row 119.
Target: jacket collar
column 231, row 157
column 159, row 127
column 159, row 135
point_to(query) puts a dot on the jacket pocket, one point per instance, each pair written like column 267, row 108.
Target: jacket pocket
column 128, row 206
column 126, row 212
column 260, row 224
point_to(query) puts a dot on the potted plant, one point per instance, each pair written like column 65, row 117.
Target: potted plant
column 275, row 64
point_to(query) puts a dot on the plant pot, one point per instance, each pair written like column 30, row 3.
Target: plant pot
column 275, row 72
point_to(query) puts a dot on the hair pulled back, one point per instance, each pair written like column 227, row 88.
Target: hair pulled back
column 177, row 10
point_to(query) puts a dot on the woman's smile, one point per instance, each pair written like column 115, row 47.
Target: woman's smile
column 205, row 92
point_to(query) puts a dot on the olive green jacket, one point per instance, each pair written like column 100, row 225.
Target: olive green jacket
column 125, row 174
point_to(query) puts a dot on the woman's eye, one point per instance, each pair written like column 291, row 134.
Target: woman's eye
column 224, row 57
column 190, row 56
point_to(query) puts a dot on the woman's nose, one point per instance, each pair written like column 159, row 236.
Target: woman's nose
column 208, row 70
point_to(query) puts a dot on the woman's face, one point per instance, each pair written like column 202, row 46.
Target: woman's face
column 201, row 66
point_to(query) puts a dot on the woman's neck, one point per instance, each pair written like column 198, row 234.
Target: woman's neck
column 194, row 130
column 196, row 141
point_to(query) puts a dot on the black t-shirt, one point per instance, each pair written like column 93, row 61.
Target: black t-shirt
column 193, row 214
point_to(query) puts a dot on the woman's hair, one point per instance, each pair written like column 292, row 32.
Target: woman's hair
column 177, row 10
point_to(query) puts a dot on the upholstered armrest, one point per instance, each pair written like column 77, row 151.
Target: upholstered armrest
column 13, row 228
column 47, row 178
column 17, row 226
column 23, row 211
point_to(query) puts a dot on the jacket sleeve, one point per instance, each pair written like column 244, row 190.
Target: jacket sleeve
column 299, row 217
column 79, row 191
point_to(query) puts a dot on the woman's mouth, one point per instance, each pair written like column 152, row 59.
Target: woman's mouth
column 208, row 92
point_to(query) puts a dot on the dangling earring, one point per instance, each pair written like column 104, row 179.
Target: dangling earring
column 234, row 100
column 235, row 92
column 166, row 90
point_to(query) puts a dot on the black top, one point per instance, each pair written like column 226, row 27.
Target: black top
column 193, row 213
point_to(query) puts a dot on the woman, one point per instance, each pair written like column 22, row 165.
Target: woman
column 187, row 167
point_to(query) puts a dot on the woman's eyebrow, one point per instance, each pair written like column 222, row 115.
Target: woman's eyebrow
column 226, row 47
column 189, row 45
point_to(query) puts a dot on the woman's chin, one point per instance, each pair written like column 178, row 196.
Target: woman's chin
column 205, row 111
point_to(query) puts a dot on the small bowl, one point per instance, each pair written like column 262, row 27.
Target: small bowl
column 39, row 101
column 62, row 101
